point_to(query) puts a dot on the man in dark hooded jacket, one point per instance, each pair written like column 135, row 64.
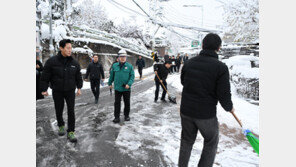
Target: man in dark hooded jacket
column 205, row 81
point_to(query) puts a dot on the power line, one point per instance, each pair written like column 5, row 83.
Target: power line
column 118, row 4
column 162, row 25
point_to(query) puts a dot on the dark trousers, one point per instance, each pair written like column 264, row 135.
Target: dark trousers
column 210, row 132
column 174, row 69
column 140, row 69
column 178, row 67
column 95, row 87
column 157, row 84
column 126, row 98
column 69, row 97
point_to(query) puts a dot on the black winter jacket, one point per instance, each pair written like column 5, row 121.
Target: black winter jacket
column 63, row 74
column 140, row 63
column 205, row 81
column 162, row 72
column 95, row 70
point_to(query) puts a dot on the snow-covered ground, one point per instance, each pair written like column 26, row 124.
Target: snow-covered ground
column 164, row 127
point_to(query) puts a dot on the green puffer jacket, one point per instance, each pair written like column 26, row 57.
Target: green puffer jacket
column 123, row 76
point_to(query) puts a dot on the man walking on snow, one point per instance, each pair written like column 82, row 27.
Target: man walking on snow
column 96, row 72
column 205, row 81
column 141, row 64
column 161, row 71
column 123, row 75
column 63, row 72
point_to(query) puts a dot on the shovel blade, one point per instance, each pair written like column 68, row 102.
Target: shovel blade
column 173, row 99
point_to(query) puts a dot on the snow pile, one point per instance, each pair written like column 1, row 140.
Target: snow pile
column 241, row 65
column 175, row 81
column 84, row 50
column 244, row 77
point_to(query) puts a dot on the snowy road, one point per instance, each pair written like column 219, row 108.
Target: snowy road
column 151, row 138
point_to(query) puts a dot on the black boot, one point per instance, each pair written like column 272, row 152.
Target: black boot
column 116, row 120
column 96, row 100
column 127, row 118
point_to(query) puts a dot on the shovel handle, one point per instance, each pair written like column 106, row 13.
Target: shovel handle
column 240, row 123
column 162, row 85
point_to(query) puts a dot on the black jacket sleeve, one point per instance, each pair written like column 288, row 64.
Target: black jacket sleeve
column 40, row 65
column 223, row 88
column 143, row 63
column 46, row 75
column 102, row 72
column 155, row 67
column 78, row 78
column 87, row 72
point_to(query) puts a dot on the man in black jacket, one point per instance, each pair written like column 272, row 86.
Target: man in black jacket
column 206, row 81
column 63, row 72
column 96, row 72
column 141, row 64
column 161, row 71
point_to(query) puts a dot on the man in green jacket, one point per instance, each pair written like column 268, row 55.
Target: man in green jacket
column 123, row 75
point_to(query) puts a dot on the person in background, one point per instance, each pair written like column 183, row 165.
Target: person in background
column 205, row 82
column 173, row 60
column 63, row 72
column 178, row 62
column 166, row 56
column 96, row 72
column 123, row 75
column 154, row 55
column 185, row 58
column 141, row 64
column 116, row 61
column 170, row 69
column 39, row 69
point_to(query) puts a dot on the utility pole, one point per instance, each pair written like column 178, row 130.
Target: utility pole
column 51, row 48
